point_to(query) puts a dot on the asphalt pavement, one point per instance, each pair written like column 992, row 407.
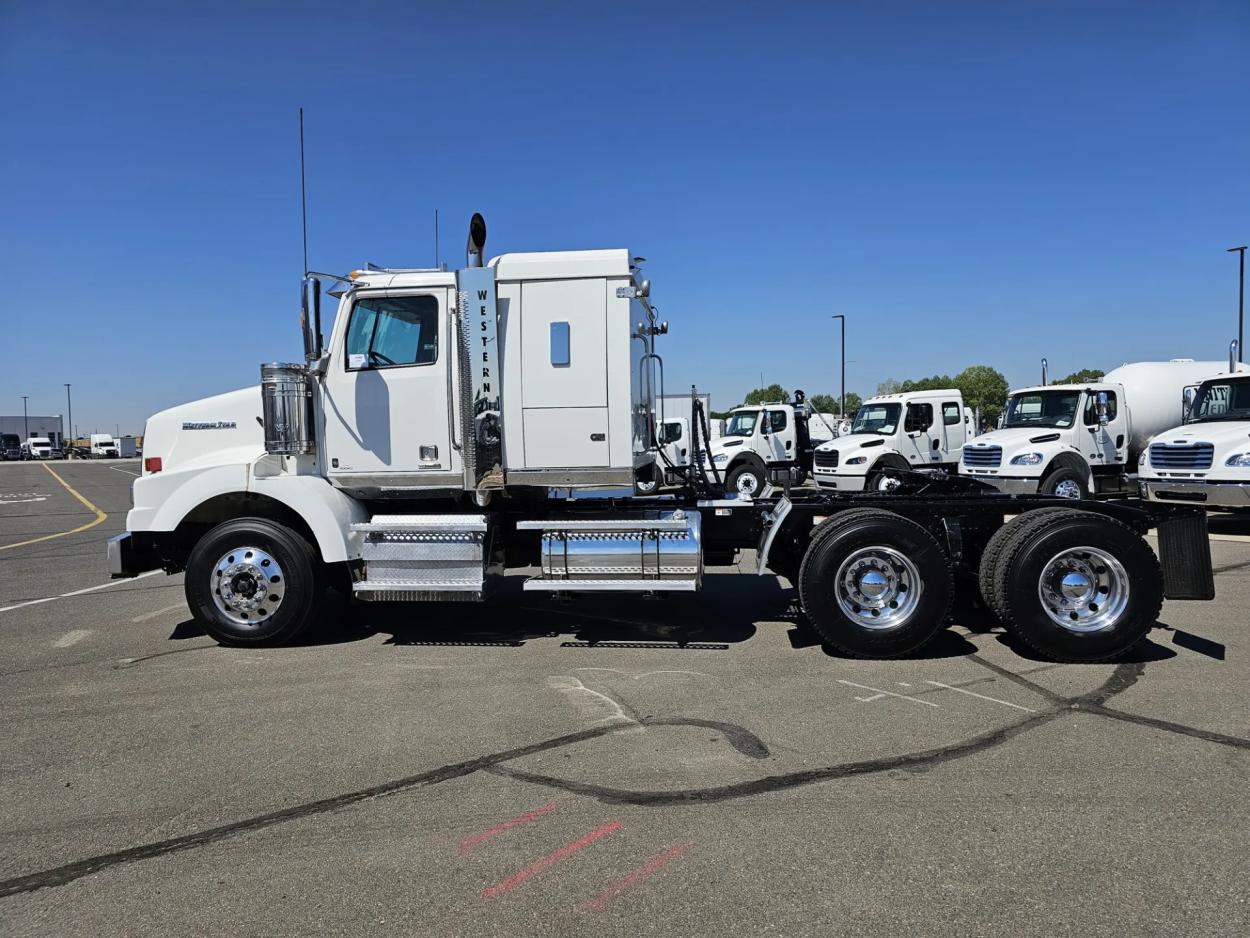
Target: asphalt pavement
column 693, row 765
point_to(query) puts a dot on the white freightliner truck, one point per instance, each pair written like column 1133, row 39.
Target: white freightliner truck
column 1205, row 460
column 895, row 433
column 459, row 424
column 1077, row 440
column 767, row 438
column 103, row 446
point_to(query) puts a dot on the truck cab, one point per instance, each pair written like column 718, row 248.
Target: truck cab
column 1051, row 439
column 37, row 447
column 757, row 439
column 10, row 446
column 1205, row 460
column 103, row 446
column 914, row 430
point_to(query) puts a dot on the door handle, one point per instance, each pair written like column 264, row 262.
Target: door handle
column 598, row 437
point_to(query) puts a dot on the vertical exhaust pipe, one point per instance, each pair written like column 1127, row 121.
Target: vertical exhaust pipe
column 1233, row 357
column 1043, row 372
column 477, row 241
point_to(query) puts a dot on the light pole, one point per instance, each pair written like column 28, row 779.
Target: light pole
column 842, row 397
column 1241, row 303
column 70, row 407
column 25, row 419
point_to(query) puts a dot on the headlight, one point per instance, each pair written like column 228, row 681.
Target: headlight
column 1238, row 461
column 1027, row 459
column 720, row 458
column 857, row 460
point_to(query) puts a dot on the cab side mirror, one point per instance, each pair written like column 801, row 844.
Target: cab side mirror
column 1187, row 402
column 310, row 317
column 1101, row 408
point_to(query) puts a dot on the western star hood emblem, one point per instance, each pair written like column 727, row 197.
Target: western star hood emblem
column 209, row 425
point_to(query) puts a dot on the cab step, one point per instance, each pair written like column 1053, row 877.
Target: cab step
column 409, row 558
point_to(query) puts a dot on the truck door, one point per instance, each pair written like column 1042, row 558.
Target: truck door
column 387, row 421
column 917, row 441
column 1107, row 446
column 953, row 433
column 779, row 444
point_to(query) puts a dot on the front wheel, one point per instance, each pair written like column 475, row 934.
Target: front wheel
column 745, row 479
column 1066, row 483
column 874, row 584
column 252, row 582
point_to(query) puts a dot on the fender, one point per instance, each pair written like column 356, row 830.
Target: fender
column 164, row 500
column 747, row 457
column 1070, row 459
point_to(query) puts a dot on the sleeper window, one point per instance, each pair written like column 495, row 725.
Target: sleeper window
column 391, row 331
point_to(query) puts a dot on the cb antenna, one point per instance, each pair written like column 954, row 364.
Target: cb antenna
column 303, row 195
column 437, row 259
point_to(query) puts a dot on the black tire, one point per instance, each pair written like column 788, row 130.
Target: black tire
column 745, row 469
column 299, row 575
column 993, row 552
column 1019, row 572
column 842, row 536
column 1063, row 480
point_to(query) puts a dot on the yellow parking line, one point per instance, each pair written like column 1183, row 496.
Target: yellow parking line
column 99, row 515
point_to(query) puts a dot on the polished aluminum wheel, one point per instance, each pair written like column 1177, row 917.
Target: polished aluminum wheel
column 877, row 587
column 747, row 484
column 248, row 585
column 1068, row 488
column 1084, row 589
column 888, row 483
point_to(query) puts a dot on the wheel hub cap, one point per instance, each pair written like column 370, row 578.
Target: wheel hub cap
column 1084, row 589
column 877, row 587
column 248, row 585
column 1068, row 489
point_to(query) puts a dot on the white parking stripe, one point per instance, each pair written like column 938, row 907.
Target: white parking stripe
column 89, row 589
column 158, row 612
column 127, row 471
column 888, row 693
column 960, row 690
column 71, row 638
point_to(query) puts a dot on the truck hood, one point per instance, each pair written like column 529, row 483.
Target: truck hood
column 1222, row 435
column 844, row 445
column 219, row 430
column 1016, row 440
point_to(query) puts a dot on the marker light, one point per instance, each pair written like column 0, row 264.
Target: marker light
column 151, row 464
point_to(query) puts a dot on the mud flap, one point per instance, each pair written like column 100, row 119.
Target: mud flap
column 1185, row 555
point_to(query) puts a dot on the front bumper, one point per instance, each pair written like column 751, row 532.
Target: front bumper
column 1212, row 494
column 128, row 556
column 831, row 480
column 1008, row 486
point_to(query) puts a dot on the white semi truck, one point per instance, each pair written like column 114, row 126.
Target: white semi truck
column 895, row 433
column 37, row 447
column 1205, row 460
column 1077, row 440
column 103, row 446
column 461, row 424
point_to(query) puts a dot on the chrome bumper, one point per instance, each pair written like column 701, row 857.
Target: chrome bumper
column 1213, row 494
column 1007, row 486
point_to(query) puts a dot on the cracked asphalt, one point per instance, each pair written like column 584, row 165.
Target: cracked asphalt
column 489, row 770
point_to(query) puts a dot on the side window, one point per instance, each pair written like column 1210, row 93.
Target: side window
column 777, row 420
column 1091, row 408
column 919, row 417
column 950, row 414
column 672, row 432
column 560, row 344
column 392, row 331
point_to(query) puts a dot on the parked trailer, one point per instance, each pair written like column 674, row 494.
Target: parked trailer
column 400, row 463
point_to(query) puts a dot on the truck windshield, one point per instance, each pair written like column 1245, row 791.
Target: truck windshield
column 1042, row 409
column 877, row 418
column 1228, row 399
column 741, row 423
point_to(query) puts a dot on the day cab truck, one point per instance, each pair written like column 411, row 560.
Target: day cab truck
column 103, row 446
column 1078, row 440
column 37, row 447
column 1206, row 460
column 10, row 446
column 768, row 438
column 895, row 433
column 461, row 424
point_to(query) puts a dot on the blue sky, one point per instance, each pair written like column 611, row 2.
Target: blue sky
column 967, row 182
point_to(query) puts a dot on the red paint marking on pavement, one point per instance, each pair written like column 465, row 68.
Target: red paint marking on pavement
column 473, row 840
column 600, row 902
column 512, row 882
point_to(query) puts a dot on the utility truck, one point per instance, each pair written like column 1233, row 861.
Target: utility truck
column 1205, row 460
column 895, row 433
column 103, row 446
column 1078, row 440
column 461, row 424
column 767, row 438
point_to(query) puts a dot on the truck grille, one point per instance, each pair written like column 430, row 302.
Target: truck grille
column 1185, row 456
column 825, row 460
column 983, row 457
